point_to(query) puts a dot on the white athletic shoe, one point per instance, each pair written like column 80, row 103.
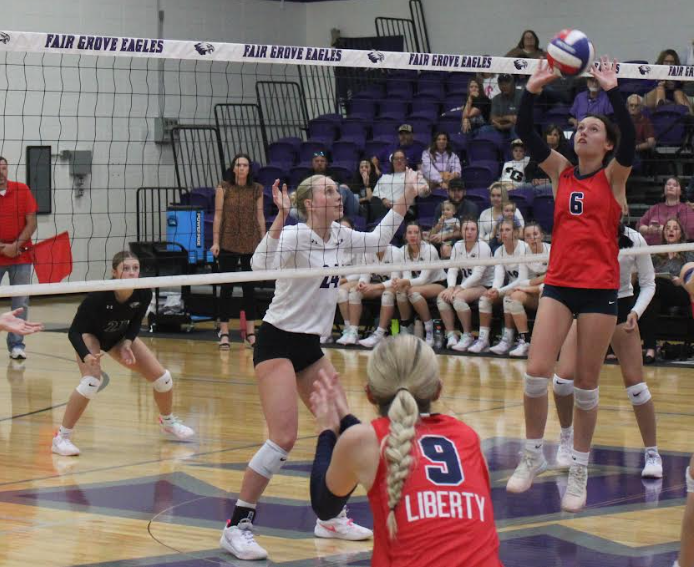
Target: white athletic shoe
column 341, row 527
column 502, row 347
column 464, row 343
column 349, row 337
column 63, row 446
column 576, row 493
column 521, row 349
column 17, row 353
column 531, row 465
column 452, row 341
column 566, row 445
column 327, row 340
column 653, row 467
column 176, row 428
column 372, row 340
column 479, row 346
column 429, row 338
column 240, row 542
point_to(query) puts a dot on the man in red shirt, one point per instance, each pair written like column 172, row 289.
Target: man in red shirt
column 17, row 224
column 645, row 135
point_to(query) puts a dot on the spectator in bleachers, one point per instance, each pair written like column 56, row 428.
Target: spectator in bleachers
column 667, row 92
column 350, row 202
column 556, row 141
column 651, row 223
column 514, row 170
column 446, row 230
column 237, row 229
column 505, row 106
column 645, row 135
column 669, row 293
column 440, row 164
column 362, row 185
column 528, row 47
column 591, row 101
column 391, row 186
column 477, row 108
column 498, row 195
column 406, row 144
column 456, row 194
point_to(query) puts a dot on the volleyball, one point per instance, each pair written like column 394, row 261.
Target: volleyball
column 570, row 52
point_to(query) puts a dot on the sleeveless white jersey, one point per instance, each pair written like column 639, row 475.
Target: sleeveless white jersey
column 307, row 305
column 427, row 253
column 472, row 276
column 643, row 264
column 512, row 271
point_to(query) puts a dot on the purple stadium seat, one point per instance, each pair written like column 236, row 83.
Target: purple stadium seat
column 523, row 198
column 558, row 115
column 266, row 175
column 345, row 151
column 359, row 223
column 385, row 126
column 397, row 88
column 355, row 127
column 456, row 84
column 431, row 83
column 362, row 108
column 427, row 205
column 374, row 90
column 293, row 141
column 374, row 147
column 449, row 123
column 320, row 129
column 342, row 173
column 479, row 196
column 668, row 123
column 393, row 109
column 298, row 174
column 492, row 135
column 480, row 149
column 478, row 176
column 331, row 117
column 282, row 152
column 543, row 212
column 421, row 125
column 426, row 105
column 309, row 148
column 453, row 101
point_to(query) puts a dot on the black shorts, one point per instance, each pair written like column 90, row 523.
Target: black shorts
column 624, row 305
column 300, row 349
column 584, row 300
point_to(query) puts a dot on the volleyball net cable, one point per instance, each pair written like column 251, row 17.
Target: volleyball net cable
column 114, row 135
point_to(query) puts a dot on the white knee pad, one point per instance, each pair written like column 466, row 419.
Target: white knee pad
column 401, row 297
column 388, row 299
column 485, row 305
column 342, row 295
column 460, row 305
column 415, row 297
column 562, row 387
column 515, row 307
column 269, row 459
column 355, row 297
column 89, row 387
column 443, row 305
column 639, row 394
column 506, row 302
column 534, row 386
column 690, row 480
column 586, row 399
column 164, row 383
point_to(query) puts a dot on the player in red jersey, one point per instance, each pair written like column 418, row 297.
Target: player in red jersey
column 583, row 275
column 426, row 477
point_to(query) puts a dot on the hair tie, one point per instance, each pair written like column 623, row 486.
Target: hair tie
column 402, row 390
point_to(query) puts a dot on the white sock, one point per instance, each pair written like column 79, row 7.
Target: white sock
column 380, row 332
column 653, row 449
column 567, row 431
column 484, row 333
column 429, row 326
column 508, row 334
column 244, row 504
column 450, row 334
column 580, row 458
column 534, row 445
column 169, row 417
column 65, row 432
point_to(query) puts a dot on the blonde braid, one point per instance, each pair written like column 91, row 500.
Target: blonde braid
column 403, row 415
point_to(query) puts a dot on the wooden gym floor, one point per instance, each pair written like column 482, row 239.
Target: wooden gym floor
column 134, row 498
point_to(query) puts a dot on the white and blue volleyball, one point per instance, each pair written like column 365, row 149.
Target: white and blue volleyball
column 570, row 52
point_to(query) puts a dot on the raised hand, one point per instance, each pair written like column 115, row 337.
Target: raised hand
column 281, row 198
column 542, row 75
column 606, row 73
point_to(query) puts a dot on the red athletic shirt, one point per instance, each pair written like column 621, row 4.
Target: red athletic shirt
column 584, row 237
column 445, row 514
column 15, row 205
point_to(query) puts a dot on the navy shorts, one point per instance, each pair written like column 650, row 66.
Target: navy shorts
column 583, row 300
column 624, row 306
column 300, row 349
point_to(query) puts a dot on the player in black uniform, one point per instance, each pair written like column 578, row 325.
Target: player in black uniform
column 109, row 321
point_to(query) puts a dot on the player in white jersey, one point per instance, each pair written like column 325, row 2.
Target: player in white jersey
column 287, row 355
column 416, row 287
column 510, row 246
column 373, row 286
column 347, row 284
column 526, row 295
column 475, row 281
column 626, row 344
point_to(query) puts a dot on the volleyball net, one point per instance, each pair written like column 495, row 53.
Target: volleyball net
column 123, row 140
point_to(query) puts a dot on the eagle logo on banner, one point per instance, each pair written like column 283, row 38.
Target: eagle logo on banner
column 376, row 56
column 520, row 64
column 4, row 37
column 204, row 48
column 644, row 69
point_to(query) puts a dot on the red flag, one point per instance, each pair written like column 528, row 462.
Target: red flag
column 53, row 258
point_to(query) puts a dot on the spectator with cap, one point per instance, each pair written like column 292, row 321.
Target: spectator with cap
column 413, row 152
column 591, row 101
column 505, row 106
column 514, row 170
column 456, row 194
column 350, row 202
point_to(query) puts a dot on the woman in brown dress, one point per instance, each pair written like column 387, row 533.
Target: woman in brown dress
column 239, row 225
